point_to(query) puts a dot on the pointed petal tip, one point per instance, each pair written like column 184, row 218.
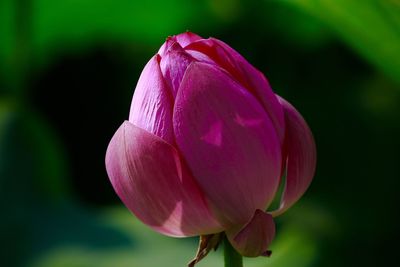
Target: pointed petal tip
column 178, row 41
column 170, row 43
column 174, row 65
column 187, row 38
column 255, row 237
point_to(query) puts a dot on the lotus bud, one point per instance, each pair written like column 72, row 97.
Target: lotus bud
column 206, row 146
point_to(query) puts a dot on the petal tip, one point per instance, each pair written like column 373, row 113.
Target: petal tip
column 255, row 237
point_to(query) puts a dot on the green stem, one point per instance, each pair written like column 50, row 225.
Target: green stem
column 231, row 257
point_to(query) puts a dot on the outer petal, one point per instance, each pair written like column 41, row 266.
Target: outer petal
column 173, row 66
column 246, row 74
column 254, row 238
column 228, row 141
column 151, row 107
column 301, row 157
column 151, row 180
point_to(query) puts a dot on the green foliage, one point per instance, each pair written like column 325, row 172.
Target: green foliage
column 139, row 246
column 370, row 27
column 30, row 153
column 68, row 24
column 32, row 172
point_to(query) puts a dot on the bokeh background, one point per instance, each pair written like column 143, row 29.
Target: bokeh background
column 68, row 69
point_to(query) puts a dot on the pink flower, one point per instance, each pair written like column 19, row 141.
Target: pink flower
column 207, row 144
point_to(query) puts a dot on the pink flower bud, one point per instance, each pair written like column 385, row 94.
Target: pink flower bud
column 206, row 145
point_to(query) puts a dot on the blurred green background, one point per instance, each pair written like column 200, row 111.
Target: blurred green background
column 68, row 69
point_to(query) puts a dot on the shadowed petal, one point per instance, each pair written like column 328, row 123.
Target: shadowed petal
column 218, row 54
column 228, row 141
column 199, row 56
column 301, row 157
column 173, row 66
column 151, row 107
column 154, row 184
column 254, row 238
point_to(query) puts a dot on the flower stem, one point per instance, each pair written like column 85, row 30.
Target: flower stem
column 231, row 257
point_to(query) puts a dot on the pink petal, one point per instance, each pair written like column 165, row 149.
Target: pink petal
column 173, row 66
column 228, row 141
column 152, row 103
column 182, row 39
column 186, row 38
column 301, row 157
column 214, row 51
column 149, row 177
column 259, row 85
column 199, row 56
column 255, row 237
column 246, row 74
column 166, row 45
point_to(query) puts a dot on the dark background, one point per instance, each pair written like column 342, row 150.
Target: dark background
column 68, row 69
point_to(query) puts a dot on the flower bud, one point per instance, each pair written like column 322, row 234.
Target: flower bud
column 206, row 145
